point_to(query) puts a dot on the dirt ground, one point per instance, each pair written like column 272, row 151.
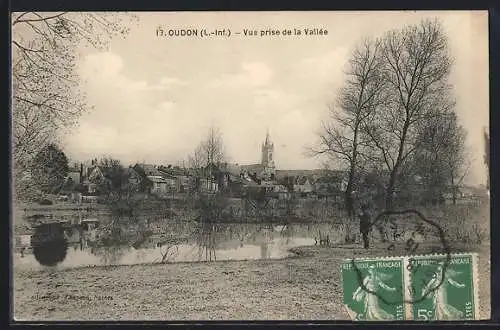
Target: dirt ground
column 305, row 287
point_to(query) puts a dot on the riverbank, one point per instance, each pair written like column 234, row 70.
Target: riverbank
column 306, row 286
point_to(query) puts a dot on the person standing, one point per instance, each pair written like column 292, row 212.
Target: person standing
column 365, row 225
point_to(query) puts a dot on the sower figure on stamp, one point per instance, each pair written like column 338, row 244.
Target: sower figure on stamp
column 365, row 225
column 436, row 289
column 367, row 294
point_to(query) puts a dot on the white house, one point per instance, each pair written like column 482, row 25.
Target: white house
column 303, row 185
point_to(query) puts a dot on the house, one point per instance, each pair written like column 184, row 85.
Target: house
column 75, row 173
column 157, row 184
column 150, row 178
column 171, row 182
column 91, row 176
column 147, row 169
column 287, row 182
column 181, row 183
column 134, row 178
column 235, row 185
column 253, row 190
column 278, row 191
column 208, row 185
column 95, row 177
column 280, row 188
column 180, row 176
column 74, row 176
column 303, row 185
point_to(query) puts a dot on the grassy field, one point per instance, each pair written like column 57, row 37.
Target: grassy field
column 304, row 287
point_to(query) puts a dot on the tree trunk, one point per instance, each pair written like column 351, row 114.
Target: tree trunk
column 454, row 190
column 348, row 200
column 349, row 204
column 389, row 197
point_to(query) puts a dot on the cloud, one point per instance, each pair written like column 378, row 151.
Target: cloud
column 169, row 81
column 329, row 63
column 107, row 67
column 253, row 74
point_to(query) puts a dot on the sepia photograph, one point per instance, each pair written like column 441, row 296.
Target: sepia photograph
column 178, row 166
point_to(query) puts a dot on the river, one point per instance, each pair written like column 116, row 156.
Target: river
column 183, row 243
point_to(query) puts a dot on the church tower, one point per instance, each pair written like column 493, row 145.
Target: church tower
column 267, row 158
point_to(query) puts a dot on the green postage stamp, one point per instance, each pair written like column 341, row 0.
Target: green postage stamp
column 423, row 288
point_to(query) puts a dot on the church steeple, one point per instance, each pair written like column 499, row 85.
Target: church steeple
column 269, row 171
column 267, row 150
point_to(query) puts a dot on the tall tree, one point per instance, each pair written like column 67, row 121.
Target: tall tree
column 116, row 179
column 415, row 71
column 456, row 158
column 441, row 160
column 45, row 50
column 49, row 169
column 209, row 154
column 342, row 138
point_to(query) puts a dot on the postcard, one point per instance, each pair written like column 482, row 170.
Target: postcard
column 179, row 166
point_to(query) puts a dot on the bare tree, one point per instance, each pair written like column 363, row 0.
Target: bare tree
column 342, row 137
column 441, row 159
column 457, row 160
column 416, row 68
column 45, row 83
column 209, row 154
column 116, row 183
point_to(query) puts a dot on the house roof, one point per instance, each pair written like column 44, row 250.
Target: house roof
column 281, row 174
column 157, row 179
column 148, row 169
column 236, row 179
column 302, row 180
column 236, row 169
column 175, row 170
column 257, row 168
column 233, row 169
column 93, row 171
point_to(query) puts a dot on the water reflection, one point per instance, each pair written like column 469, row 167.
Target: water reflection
column 188, row 242
column 49, row 244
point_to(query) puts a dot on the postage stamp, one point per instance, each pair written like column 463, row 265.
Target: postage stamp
column 373, row 289
column 422, row 288
column 444, row 288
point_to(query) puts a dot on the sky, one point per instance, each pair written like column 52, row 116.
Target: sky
column 155, row 97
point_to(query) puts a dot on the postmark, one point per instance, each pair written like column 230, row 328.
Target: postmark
column 438, row 287
column 409, row 227
column 406, row 232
